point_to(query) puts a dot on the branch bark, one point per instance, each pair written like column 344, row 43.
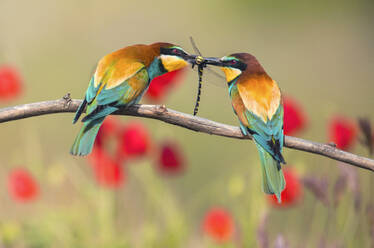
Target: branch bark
column 198, row 124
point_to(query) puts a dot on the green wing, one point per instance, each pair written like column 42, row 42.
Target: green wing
column 107, row 101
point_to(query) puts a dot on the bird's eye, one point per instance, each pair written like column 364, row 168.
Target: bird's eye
column 233, row 62
column 175, row 51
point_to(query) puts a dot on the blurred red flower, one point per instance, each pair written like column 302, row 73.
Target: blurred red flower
column 294, row 116
column 218, row 224
column 10, row 83
column 293, row 192
column 22, row 186
column 134, row 140
column 161, row 85
column 108, row 129
column 108, row 172
column 342, row 132
column 171, row 159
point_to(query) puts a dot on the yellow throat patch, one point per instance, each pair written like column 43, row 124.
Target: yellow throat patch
column 231, row 73
column 172, row 63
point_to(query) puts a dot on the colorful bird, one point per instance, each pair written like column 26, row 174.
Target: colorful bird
column 256, row 100
column 121, row 78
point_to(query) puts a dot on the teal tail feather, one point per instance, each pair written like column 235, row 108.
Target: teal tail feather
column 272, row 175
column 85, row 139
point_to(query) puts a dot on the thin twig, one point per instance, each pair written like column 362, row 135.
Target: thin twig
column 198, row 124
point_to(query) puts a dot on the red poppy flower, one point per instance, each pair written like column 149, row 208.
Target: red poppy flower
column 171, row 160
column 22, row 186
column 294, row 117
column 342, row 132
column 108, row 172
column 108, row 129
column 161, row 85
column 219, row 225
column 134, row 140
column 293, row 192
column 10, row 83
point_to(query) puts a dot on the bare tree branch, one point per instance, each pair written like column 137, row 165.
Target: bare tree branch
column 183, row 120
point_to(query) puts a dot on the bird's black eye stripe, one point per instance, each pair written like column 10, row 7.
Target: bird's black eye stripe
column 161, row 67
column 241, row 66
column 172, row 51
column 236, row 64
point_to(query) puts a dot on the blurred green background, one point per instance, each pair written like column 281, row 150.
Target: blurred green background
column 320, row 52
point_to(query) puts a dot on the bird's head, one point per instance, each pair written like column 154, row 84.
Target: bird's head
column 233, row 65
column 173, row 57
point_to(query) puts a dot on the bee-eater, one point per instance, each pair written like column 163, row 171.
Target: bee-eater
column 256, row 100
column 121, row 78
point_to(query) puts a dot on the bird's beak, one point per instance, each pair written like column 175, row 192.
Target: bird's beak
column 213, row 61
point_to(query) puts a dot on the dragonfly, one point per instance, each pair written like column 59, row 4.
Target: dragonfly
column 200, row 66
